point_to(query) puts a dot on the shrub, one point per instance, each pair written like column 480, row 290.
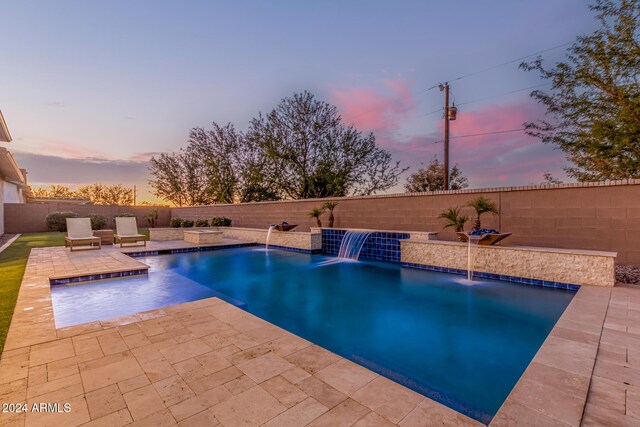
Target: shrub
column 176, row 222
column 220, row 221
column 202, row 222
column 97, row 221
column 152, row 217
column 187, row 223
column 57, row 221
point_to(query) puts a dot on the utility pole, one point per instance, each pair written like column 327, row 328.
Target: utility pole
column 449, row 114
column 134, row 195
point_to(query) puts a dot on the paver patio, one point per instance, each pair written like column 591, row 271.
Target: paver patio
column 208, row 363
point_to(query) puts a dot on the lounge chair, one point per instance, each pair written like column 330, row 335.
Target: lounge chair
column 79, row 233
column 127, row 232
column 486, row 239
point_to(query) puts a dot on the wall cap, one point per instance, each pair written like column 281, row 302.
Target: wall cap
column 622, row 182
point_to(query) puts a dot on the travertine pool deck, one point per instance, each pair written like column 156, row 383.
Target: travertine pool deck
column 208, row 363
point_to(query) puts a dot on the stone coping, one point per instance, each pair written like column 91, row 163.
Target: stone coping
column 520, row 248
column 552, row 390
column 371, row 230
column 610, row 183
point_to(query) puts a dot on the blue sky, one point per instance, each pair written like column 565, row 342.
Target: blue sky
column 91, row 89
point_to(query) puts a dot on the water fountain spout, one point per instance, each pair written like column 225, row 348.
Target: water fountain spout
column 471, row 239
column 266, row 245
column 352, row 244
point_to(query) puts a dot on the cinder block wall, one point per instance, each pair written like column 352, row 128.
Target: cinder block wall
column 594, row 216
column 30, row 217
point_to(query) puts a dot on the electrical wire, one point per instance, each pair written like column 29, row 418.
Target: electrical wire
column 509, row 62
column 482, row 134
column 475, row 73
column 503, row 94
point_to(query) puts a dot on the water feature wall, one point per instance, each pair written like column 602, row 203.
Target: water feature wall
column 379, row 245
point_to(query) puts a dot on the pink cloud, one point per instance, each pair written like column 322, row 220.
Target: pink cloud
column 385, row 108
column 488, row 160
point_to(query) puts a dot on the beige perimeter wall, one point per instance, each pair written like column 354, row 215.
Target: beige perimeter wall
column 594, row 216
column 30, row 217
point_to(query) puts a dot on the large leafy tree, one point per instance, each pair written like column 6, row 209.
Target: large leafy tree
column 594, row 101
column 431, row 178
column 180, row 178
column 235, row 169
column 315, row 155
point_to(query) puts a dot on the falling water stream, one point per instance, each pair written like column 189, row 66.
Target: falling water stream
column 352, row 244
column 266, row 245
column 472, row 240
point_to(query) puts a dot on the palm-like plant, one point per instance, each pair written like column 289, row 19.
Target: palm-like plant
column 316, row 213
column 454, row 219
column 482, row 205
column 330, row 206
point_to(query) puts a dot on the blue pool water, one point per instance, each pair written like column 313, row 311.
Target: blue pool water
column 463, row 345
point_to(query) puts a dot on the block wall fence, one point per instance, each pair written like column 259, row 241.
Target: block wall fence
column 30, row 217
column 592, row 216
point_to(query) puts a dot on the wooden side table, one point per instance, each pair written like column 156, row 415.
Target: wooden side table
column 106, row 236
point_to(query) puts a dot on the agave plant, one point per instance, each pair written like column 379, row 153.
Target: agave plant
column 482, row 205
column 454, row 219
column 330, row 206
column 316, row 213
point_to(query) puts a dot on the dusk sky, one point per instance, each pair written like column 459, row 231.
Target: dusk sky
column 90, row 90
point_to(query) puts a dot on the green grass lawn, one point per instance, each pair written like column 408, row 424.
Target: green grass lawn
column 13, row 261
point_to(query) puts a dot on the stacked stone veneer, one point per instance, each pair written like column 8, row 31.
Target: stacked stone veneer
column 308, row 241
column 552, row 265
column 290, row 239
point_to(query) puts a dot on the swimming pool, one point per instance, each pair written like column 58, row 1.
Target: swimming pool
column 462, row 345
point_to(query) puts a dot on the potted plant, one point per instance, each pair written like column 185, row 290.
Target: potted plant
column 316, row 213
column 330, row 206
column 481, row 205
column 454, row 219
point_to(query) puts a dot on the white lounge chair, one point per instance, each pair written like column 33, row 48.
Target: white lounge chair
column 127, row 232
column 79, row 233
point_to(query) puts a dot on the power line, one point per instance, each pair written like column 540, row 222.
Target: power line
column 509, row 62
column 504, row 93
column 483, row 134
column 473, row 74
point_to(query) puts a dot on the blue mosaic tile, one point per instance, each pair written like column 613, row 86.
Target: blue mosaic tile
column 483, row 275
column 92, row 277
column 379, row 246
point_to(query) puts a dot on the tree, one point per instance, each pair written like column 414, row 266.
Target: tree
column 97, row 193
column 481, row 205
column 594, row 101
column 106, row 194
column 180, row 178
column 548, row 178
column 330, row 206
column 431, row 178
column 316, row 213
column 236, row 170
column 315, row 155
column 54, row 190
column 454, row 219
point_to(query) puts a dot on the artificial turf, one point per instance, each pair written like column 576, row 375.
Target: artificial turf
column 13, row 261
